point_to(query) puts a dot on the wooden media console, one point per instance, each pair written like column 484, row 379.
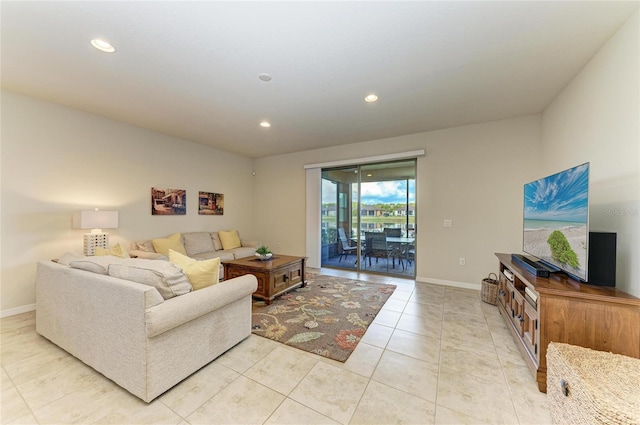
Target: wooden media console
column 540, row 310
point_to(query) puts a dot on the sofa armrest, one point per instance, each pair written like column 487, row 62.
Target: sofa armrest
column 98, row 319
column 184, row 308
column 248, row 243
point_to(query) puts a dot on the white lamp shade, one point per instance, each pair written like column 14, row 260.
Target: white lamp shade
column 95, row 219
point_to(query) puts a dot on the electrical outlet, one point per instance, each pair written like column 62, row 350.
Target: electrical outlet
column 463, row 262
column 448, row 223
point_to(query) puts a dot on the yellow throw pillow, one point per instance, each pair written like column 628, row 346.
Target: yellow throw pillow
column 229, row 239
column 163, row 245
column 201, row 273
column 117, row 251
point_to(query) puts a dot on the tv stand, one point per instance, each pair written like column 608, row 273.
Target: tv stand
column 539, row 310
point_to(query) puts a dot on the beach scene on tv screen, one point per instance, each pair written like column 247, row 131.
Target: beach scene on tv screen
column 555, row 219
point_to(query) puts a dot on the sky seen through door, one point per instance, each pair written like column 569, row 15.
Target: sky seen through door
column 388, row 192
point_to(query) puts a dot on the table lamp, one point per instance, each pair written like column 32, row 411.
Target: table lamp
column 95, row 220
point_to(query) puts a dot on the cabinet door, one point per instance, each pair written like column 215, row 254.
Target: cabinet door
column 295, row 274
column 503, row 293
column 531, row 331
column 517, row 310
column 279, row 280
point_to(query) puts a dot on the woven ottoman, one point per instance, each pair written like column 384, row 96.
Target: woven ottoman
column 586, row 386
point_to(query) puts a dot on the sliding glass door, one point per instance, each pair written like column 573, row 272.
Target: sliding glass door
column 368, row 218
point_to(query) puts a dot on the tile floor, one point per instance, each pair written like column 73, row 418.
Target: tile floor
column 434, row 355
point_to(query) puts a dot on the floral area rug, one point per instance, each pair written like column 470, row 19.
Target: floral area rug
column 328, row 317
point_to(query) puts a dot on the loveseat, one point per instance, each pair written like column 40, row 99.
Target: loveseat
column 144, row 339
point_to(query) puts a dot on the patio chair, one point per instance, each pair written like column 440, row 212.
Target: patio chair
column 376, row 246
column 394, row 232
column 345, row 245
column 397, row 250
column 410, row 253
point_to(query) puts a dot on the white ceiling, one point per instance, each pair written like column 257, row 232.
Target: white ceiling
column 190, row 69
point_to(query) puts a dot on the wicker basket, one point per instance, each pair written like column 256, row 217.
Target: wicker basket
column 490, row 289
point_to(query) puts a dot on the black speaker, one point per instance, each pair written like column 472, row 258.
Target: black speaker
column 602, row 259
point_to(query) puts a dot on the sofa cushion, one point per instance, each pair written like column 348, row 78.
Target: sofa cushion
column 197, row 243
column 146, row 246
column 201, row 273
column 230, row 239
column 222, row 255
column 166, row 277
column 117, row 251
column 217, row 244
column 68, row 257
column 243, row 252
column 163, row 245
column 95, row 264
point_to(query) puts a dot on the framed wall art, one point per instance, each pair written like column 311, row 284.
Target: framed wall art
column 168, row 201
column 210, row 203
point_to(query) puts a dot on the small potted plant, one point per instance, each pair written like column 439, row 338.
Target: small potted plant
column 263, row 253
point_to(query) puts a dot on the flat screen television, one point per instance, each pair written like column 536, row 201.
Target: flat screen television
column 556, row 221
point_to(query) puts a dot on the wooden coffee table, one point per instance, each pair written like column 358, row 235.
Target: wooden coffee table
column 275, row 276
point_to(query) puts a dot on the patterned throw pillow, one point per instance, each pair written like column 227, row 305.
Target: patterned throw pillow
column 146, row 246
column 116, row 251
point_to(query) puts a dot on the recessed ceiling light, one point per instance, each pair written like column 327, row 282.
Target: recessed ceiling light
column 102, row 45
column 264, row 77
column 370, row 98
column 265, row 124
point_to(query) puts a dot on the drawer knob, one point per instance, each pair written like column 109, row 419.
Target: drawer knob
column 564, row 385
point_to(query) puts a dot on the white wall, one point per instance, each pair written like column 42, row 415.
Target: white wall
column 472, row 175
column 596, row 119
column 56, row 160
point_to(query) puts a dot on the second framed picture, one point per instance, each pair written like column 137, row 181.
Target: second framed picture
column 210, row 203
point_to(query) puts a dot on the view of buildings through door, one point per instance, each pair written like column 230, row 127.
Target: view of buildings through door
column 368, row 218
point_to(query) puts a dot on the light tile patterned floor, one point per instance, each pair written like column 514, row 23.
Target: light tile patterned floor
column 434, row 355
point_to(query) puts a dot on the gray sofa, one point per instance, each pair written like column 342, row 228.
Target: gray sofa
column 201, row 246
column 198, row 245
column 132, row 335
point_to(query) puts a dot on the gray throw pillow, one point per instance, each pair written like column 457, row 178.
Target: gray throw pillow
column 166, row 277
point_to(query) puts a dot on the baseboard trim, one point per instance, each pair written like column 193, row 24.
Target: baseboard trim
column 465, row 285
column 17, row 310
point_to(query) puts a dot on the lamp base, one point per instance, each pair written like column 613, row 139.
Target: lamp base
column 95, row 240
